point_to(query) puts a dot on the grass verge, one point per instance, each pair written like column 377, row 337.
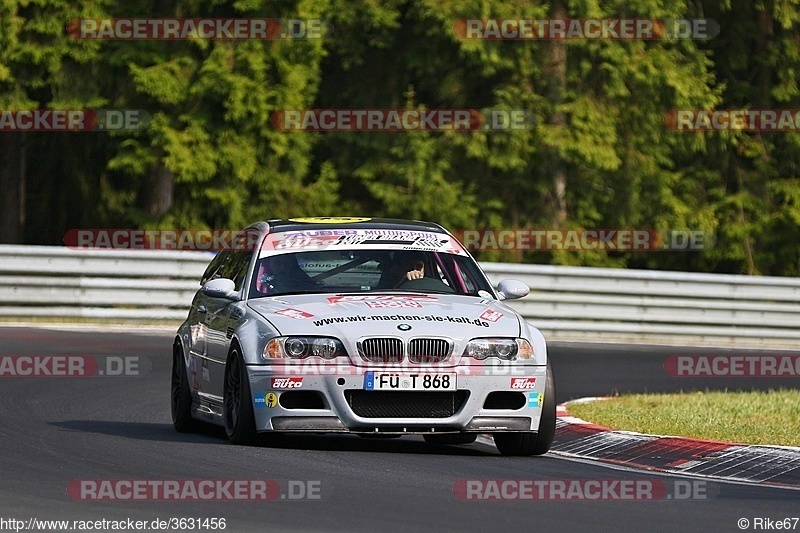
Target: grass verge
column 756, row 417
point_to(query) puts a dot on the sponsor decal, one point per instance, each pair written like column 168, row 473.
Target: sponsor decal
column 304, row 242
column 384, row 318
column 260, row 401
column 367, row 239
column 330, row 220
column 523, row 383
column 541, row 399
column 271, row 399
column 392, row 304
column 319, row 233
column 432, row 241
column 294, row 313
column 385, row 298
column 491, row 316
column 286, row 383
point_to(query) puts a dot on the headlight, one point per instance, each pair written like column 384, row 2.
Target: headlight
column 303, row 347
column 505, row 349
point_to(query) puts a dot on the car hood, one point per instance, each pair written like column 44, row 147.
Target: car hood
column 353, row 316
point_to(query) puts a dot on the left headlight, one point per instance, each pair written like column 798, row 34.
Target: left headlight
column 295, row 347
column 500, row 348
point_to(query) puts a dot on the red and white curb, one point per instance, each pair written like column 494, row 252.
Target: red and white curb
column 744, row 463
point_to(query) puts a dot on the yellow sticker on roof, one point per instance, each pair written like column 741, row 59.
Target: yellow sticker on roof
column 330, row 220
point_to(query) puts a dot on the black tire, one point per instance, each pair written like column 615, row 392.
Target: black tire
column 240, row 421
column 181, row 395
column 547, row 425
column 450, row 439
column 533, row 442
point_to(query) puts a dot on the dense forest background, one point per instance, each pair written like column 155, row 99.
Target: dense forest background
column 599, row 155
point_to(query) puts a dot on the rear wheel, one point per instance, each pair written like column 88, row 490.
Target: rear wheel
column 181, row 395
column 448, row 439
column 531, row 442
column 240, row 421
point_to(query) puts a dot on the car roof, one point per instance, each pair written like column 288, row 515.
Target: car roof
column 328, row 223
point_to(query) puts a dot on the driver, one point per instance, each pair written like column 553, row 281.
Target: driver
column 410, row 274
column 400, row 268
column 413, row 268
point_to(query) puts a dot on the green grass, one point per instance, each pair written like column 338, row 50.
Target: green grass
column 757, row 417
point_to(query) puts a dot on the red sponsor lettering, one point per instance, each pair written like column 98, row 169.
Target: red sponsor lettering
column 523, row 383
column 294, row 313
column 286, row 383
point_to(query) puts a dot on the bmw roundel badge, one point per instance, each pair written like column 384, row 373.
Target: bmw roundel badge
column 404, row 327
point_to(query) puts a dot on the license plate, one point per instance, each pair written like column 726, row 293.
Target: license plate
column 409, row 382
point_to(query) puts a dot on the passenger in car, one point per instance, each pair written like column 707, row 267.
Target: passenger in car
column 282, row 274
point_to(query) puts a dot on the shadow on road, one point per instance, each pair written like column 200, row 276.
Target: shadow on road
column 216, row 435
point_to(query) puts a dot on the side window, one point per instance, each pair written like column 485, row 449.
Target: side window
column 236, row 267
column 215, row 267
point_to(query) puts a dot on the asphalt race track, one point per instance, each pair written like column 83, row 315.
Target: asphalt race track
column 56, row 430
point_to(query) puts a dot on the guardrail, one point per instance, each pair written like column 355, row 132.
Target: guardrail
column 565, row 302
column 599, row 303
column 136, row 285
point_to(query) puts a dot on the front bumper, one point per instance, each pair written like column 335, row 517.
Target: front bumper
column 332, row 398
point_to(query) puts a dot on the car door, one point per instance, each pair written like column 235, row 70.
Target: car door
column 198, row 328
column 221, row 325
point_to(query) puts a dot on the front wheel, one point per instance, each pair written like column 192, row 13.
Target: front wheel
column 181, row 395
column 532, row 442
column 240, row 421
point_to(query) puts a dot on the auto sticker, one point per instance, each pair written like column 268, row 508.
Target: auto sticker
column 287, row 383
column 523, row 383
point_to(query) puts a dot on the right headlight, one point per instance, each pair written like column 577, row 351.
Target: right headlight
column 501, row 348
column 296, row 347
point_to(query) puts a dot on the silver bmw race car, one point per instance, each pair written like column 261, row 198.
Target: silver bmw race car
column 366, row 326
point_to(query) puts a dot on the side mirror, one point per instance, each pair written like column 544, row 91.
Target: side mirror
column 219, row 288
column 511, row 289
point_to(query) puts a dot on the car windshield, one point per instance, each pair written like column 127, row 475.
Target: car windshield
column 335, row 271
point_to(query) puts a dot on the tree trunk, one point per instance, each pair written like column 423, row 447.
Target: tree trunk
column 158, row 191
column 556, row 72
column 12, row 187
